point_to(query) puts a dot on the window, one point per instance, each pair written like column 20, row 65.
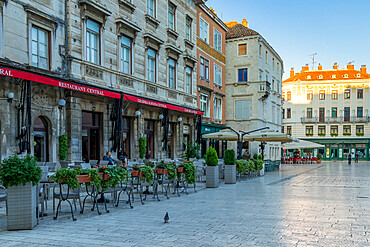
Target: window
column 288, row 113
column 217, row 40
column 321, row 114
column 242, row 108
column 126, row 55
column 92, row 42
column 309, row 130
column 309, row 95
column 347, row 93
column 267, row 77
column 309, row 112
column 171, row 16
column 321, row 129
column 150, row 5
column 218, row 75
column 40, row 48
column 266, row 56
column 334, row 112
column 260, row 51
column 282, row 129
column 360, row 93
column 203, row 30
column 359, row 130
column 346, row 129
column 188, row 27
column 284, row 95
column 151, row 65
column 334, row 95
column 242, row 75
column 347, row 113
column 242, row 49
column 322, row 95
column 289, row 130
column 217, row 108
column 172, row 73
column 334, row 129
column 273, row 63
column 283, row 113
column 204, row 104
column 288, row 96
column 278, row 67
column 360, row 111
column 188, row 80
column 204, row 68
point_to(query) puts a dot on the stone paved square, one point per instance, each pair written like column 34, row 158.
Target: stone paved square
column 301, row 205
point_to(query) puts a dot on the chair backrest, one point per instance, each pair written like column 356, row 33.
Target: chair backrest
column 63, row 164
column 85, row 165
column 45, row 171
column 51, row 165
column 40, row 163
column 103, row 162
column 93, row 162
column 3, row 194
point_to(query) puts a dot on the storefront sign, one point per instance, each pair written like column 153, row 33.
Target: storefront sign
column 161, row 105
column 52, row 82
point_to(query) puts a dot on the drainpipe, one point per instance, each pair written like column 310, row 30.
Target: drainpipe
column 66, row 47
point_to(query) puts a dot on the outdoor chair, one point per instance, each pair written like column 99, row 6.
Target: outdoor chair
column 3, row 196
column 51, row 165
column 103, row 162
column 40, row 163
column 74, row 194
column 85, row 165
column 64, row 164
column 93, row 163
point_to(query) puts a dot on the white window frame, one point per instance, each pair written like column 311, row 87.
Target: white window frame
column 217, row 75
column 217, row 40
column 36, row 41
column 148, row 10
column 204, row 98
column 172, row 67
column 174, row 16
column 124, row 47
column 204, row 30
column 188, row 28
column 188, row 80
column 217, row 108
column 89, row 50
column 149, row 58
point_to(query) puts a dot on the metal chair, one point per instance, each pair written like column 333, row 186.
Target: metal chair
column 103, row 162
column 3, row 195
column 63, row 164
column 93, row 163
column 51, row 165
column 85, row 165
column 40, row 163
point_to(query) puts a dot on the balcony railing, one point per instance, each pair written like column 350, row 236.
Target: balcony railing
column 340, row 119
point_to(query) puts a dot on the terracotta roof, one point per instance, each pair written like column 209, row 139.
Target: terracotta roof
column 328, row 75
column 239, row 30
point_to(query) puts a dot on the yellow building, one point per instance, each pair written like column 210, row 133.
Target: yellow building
column 330, row 107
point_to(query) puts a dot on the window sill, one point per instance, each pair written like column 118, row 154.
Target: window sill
column 128, row 5
column 204, row 79
column 151, row 20
column 172, row 33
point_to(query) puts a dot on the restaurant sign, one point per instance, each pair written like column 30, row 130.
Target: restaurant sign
column 52, row 82
column 161, row 105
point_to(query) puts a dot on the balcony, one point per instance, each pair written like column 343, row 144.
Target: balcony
column 340, row 119
column 309, row 119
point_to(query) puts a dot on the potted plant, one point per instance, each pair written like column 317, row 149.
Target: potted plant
column 192, row 151
column 212, row 177
column 20, row 176
column 230, row 167
column 360, row 134
column 319, row 157
column 142, row 147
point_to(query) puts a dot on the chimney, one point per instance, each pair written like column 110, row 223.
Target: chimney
column 320, row 67
column 245, row 23
column 291, row 72
column 335, row 66
column 350, row 66
column 363, row 69
column 305, row 68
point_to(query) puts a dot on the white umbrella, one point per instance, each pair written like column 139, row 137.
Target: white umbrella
column 268, row 136
column 301, row 144
column 226, row 135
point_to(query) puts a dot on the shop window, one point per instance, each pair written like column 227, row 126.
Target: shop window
column 288, row 113
column 91, row 138
column 40, row 48
column 126, row 55
column 171, row 16
column 41, row 139
column 334, row 95
column 309, row 112
column 360, row 93
column 242, row 109
column 322, row 95
column 309, row 95
column 172, row 73
column 309, row 130
column 242, row 75
column 242, row 49
column 92, row 41
column 152, row 66
column 347, row 94
column 289, row 130
column 360, row 111
column 188, row 80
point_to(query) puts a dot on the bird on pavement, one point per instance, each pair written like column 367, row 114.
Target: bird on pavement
column 166, row 218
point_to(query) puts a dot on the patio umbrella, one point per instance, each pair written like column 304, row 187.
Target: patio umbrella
column 268, row 136
column 301, row 144
column 226, row 135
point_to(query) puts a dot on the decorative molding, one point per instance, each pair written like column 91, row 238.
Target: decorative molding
column 189, row 99
column 127, row 27
column 41, row 17
column 95, row 10
column 172, row 51
column 189, row 44
column 93, row 72
column 190, row 60
column 126, row 4
column 152, row 41
column 151, row 20
column 172, row 33
column 172, row 95
column 151, row 89
column 127, row 82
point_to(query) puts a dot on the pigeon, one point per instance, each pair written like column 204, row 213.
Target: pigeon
column 166, row 218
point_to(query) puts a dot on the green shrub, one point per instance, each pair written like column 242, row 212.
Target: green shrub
column 229, row 157
column 211, row 157
column 16, row 171
column 189, row 172
column 258, row 164
column 255, row 156
column 192, row 151
column 319, row 156
column 241, row 166
column 260, row 157
column 142, row 147
column 63, row 147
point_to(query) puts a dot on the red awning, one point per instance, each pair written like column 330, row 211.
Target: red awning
column 161, row 105
column 57, row 83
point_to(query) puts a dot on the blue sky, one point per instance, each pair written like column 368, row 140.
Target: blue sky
column 337, row 30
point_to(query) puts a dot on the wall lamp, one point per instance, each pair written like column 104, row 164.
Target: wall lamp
column 10, row 97
column 61, row 103
column 137, row 113
column 179, row 119
column 161, row 116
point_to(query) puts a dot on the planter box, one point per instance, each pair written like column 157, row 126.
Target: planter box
column 161, row 171
column 180, row 169
column 230, row 174
column 212, row 176
column 21, row 214
column 262, row 172
column 137, row 174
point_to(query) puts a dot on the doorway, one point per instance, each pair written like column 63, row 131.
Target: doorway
column 91, row 136
column 149, row 132
column 126, row 137
column 41, row 139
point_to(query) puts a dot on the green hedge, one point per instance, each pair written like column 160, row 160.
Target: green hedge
column 63, row 147
column 142, row 147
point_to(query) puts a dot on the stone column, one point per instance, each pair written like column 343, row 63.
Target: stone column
column 180, row 152
column 74, row 129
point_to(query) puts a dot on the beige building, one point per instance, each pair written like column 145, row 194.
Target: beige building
column 253, row 85
column 104, row 73
column 330, row 107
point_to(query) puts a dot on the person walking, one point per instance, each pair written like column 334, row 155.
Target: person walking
column 356, row 157
column 349, row 158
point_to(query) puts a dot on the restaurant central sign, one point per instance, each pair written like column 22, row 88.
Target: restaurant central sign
column 52, row 82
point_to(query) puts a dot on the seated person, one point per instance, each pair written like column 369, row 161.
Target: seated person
column 123, row 158
column 109, row 158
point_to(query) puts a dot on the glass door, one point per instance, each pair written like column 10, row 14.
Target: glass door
column 346, row 114
column 40, row 148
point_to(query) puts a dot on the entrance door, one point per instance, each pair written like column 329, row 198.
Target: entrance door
column 321, row 114
column 91, row 136
column 346, row 114
column 334, row 153
column 126, row 137
column 149, row 132
column 170, row 142
column 40, row 137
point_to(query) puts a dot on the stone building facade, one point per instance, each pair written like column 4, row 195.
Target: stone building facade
column 330, row 107
column 211, row 37
column 89, row 62
column 253, row 85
